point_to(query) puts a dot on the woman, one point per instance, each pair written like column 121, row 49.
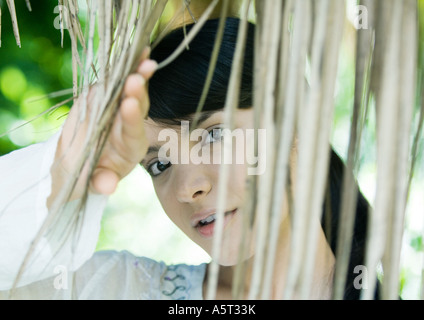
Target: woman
column 187, row 191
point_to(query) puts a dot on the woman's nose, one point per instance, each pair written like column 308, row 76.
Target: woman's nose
column 191, row 184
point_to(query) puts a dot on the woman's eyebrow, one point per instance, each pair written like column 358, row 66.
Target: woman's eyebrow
column 151, row 149
column 202, row 118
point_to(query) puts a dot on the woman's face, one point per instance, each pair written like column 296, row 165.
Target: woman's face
column 185, row 168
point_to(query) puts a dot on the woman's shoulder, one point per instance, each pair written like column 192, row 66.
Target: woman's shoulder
column 123, row 275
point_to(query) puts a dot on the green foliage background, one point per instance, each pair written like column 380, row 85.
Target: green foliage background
column 39, row 67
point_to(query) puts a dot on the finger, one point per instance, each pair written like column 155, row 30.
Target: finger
column 134, row 87
column 145, row 54
column 132, row 115
column 132, row 129
column 147, row 68
column 104, row 181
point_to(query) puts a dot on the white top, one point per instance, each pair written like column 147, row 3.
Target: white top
column 70, row 268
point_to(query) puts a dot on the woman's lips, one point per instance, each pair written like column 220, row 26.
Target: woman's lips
column 206, row 226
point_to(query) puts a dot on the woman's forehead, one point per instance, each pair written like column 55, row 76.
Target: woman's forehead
column 176, row 123
column 153, row 128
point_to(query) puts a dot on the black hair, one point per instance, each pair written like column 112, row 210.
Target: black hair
column 358, row 244
column 175, row 92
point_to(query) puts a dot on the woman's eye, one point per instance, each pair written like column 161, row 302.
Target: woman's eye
column 156, row 168
column 214, row 135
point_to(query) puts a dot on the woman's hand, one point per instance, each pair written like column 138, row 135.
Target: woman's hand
column 126, row 145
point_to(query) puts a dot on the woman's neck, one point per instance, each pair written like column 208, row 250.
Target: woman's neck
column 322, row 279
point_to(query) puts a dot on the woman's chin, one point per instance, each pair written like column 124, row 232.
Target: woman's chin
column 233, row 257
column 234, row 247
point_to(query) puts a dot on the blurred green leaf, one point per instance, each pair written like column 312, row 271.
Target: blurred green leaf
column 417, row 243
column 13, row 83
column 40, row 67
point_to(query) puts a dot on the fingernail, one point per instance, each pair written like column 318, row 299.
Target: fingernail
column 140, row 79
column 146, row 52
column 148, row 66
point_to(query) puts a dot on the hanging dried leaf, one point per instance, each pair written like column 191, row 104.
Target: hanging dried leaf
column 297, row 49
column 12, row 10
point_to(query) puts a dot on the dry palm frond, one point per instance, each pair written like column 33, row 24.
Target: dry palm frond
column 212, row 65
column 394, row 113
column 190, row 36
column 134, row 27
column 286, row 118
column 28, row 4
column 267, row 59
column 364, row 49
column 12, row 10
column 231, row 104
column 292, row 38
column 394, row 105
column 295, row 97
column 120, row 45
